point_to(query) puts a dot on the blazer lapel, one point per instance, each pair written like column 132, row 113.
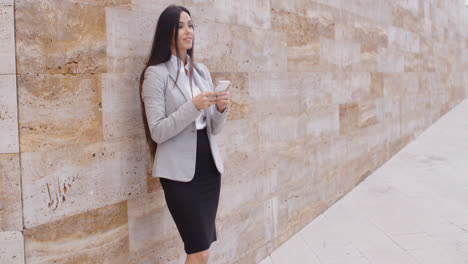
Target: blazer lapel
column 172, row 69
column 199, row 78
column 203, row 83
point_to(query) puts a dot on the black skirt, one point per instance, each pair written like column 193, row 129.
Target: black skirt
column 193, row 205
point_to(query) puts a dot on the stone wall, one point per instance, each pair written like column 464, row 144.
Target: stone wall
column 11, row 221
column 324, row 92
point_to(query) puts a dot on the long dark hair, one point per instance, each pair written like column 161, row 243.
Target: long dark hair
column 167, row 31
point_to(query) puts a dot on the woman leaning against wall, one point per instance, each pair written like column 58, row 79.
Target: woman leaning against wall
column 182, row 113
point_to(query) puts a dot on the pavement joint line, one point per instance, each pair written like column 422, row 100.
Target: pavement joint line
column 309, row 247
column 461, row 227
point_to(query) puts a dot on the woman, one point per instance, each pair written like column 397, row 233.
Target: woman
column 182, row 114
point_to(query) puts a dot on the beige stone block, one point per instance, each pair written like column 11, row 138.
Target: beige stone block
column 379, row 155
column 354, row 171
column 318, row 121
column 349, row 117
column 60, row 37
column 153, row 234
column 378, row 11
column 238, row 234
column 406, row 18
column 369, row 35
column 330, row 155
column 243, row 170
column 11, row 247
column 121, row 106
column 57, row 110
column 8, row 115
column 375, row 11
column 377, row 84
column 6, row 2
column 254, row 14
column 346, row 87
column 341, row 54
column 304, row 57
column 239, row 105
column 400, row 84
column 95, row 236
column 367, row 114
column 216, row 51
column 7, row 36
column 414, row 62
column 240, row 49
column 302, row 205
column 129, row 36
column 390, row 60
column 403, row 40
column 102, row 3
column 300, row 7
column 10, row 193
column 291, row 93
column 77, row 178
column 234, row 138
column 411, row 5
column 313, row 91
column 309, row 27
column 367, row 63
column 254, row 56
column 155, row 7
column 413, row 110
column 167, row 251
column 286, row 158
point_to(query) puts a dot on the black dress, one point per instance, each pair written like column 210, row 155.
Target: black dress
column 193, row 205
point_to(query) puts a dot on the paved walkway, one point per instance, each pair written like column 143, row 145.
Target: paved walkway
column 413, row 209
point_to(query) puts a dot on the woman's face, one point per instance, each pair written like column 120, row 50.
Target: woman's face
column 185, row 36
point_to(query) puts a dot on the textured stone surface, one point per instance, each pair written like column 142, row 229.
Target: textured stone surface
column 11, row 247
column 77, row 178
column 67, row 36
column 8, row 115
column 7, row 36
column 95, row 236
column 57, row 110
column 323, row 93
column 153, row 235
column 121, row 106
column 10, row 193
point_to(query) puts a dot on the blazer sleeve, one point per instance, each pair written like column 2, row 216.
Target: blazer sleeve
column 217, row 119
column 161, row 127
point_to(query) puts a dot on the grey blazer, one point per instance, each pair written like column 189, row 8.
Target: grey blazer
column 171, row 118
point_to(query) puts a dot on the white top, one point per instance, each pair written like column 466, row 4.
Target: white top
column 200, row 122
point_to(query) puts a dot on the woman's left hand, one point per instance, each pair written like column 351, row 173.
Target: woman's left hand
column 222, row 99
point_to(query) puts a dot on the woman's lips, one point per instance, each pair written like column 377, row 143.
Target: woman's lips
column 188, row 39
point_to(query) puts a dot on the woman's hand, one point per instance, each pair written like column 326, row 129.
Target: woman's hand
column 204, row 100
column 222, row 99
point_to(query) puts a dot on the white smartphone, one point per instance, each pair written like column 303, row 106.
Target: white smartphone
column 222, row 85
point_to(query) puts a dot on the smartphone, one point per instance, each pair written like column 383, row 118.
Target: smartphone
column 222, row 85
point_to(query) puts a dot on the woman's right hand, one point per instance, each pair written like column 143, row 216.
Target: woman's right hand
column 204, row 100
